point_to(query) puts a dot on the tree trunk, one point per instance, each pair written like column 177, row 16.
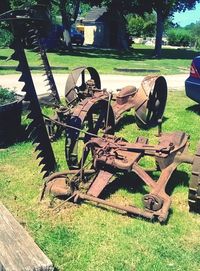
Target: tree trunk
column 76, row 10
column 122, row 41
column 117, row 23
column 159, row 33
column 66, row 22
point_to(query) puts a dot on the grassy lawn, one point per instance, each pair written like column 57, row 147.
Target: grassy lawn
column 87, row 238
column 174, row 61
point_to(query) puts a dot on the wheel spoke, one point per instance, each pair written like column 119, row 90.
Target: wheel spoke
column 83, row 84
column 90, row 122
column 101, row 120
column 149, row 114
column 93, row 121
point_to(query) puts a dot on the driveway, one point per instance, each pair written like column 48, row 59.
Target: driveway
column 111, row 82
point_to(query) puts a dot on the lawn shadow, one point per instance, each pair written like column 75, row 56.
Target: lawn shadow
column 20, row 136
column 194, row 108
column 129, row 182
column 178, row 178
column 132, row 54
column 33, row 68
column 3, row 57
column 130, row 119
column 124, row 121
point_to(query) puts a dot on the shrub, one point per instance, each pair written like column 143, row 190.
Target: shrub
column 139, row 26
column 5, row 37
column 179, row 37
column 135, row 25
column 6, row 96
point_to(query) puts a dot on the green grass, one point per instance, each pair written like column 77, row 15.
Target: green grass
column 86, row 237
column 140, row 57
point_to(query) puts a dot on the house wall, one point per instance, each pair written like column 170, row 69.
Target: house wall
column 94, row 34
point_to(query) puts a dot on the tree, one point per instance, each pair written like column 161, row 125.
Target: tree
column 69, row 11
column 164, row 9
column 197, row 35
column 194, row 30
column 149, row 25
column 135, row 25
column 179, row 37
column 142, row 26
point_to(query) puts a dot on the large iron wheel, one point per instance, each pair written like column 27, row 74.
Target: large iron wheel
column 96, row 120
column 194, row 184
column 148, row 114
column 76, row 83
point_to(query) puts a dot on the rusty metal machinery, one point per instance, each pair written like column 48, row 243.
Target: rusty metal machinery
column 88, row 107
column 148, row 100
column 114, row 156
column 107, row 156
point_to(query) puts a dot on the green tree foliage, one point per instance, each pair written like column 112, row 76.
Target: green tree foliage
column 194, row 29
column 84, row 9
column 5, row 36
column 135, row 25
column 150, row 25
column 179, row 37
column 145, row 26
column 15, row 4
column 141, row 26
column 197, row 35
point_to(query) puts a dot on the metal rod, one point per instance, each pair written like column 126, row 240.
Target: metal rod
column 69, row 126
column 67, row 172
column 159, row 127
column 128, row 209
column 108, row 109
column 61, row 204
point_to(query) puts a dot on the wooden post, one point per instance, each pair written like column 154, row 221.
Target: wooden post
column 18, row 251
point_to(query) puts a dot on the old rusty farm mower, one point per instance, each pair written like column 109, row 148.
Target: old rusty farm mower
column 89, row 110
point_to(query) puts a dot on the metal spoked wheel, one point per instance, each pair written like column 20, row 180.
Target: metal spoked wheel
column 92, row 121
column 76, row 84
column 194, row 185
column 148, row 114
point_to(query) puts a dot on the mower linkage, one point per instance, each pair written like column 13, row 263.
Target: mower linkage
column 112, row 155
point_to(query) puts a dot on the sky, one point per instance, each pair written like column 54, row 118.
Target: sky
column 187, row 17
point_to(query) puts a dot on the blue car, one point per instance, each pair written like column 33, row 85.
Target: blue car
column 76, row 37
column 192, row 83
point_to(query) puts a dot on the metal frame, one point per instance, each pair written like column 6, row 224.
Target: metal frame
column 112, row 155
